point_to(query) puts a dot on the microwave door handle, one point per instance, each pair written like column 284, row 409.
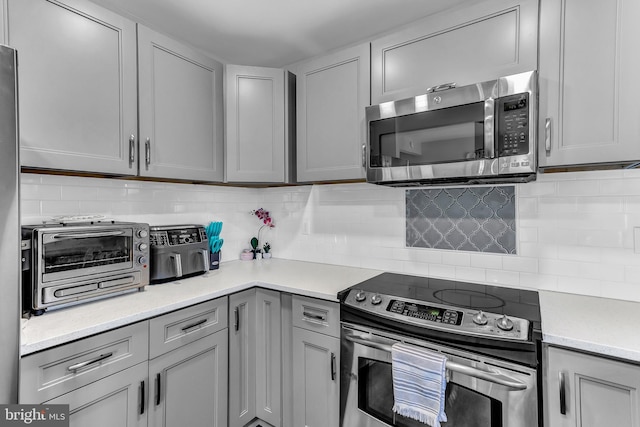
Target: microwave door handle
column 452, row 366
column 64, row 236
column 489, row 129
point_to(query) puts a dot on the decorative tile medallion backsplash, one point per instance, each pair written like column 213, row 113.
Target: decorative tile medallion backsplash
column 477, row 219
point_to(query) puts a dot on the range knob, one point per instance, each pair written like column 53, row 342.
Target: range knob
column 361, row 296
column 505, row 323
column 480, row 318
column 376, row 299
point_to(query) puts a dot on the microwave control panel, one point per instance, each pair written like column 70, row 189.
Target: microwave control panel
column 512, row 114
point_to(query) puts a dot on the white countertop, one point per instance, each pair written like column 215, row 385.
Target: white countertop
column 304, row 278
column 598, row 325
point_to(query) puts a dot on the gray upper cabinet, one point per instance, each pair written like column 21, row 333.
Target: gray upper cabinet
column 181, row 116
column 255, row 124
column 590, row 391
column 467, row 45
column 77, row 83
column 331, row 95
column 587, row 44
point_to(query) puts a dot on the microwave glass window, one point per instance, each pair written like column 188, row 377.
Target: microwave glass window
column 86, row 252
column 448, row 135
column 464, row 407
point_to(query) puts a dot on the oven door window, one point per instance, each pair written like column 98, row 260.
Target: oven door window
column 67, row 255
column 454, row 134
column 464, row 407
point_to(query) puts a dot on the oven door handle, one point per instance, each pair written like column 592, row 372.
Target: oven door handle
column 63, row 236
column 452, row 366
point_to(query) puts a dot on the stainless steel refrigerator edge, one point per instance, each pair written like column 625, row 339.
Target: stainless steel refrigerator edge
column 9, row 228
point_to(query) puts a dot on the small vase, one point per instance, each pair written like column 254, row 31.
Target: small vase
column 266, row 255
column 258, row 255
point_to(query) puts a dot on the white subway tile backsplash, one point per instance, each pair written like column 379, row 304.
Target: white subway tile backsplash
column 575, row 230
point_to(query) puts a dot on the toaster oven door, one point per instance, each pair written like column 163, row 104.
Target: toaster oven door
column 78, row 253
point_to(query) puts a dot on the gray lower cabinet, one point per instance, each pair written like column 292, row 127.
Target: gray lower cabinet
column 316, row 363
column 189, row 385
column 117, row 400
column 465, row 45
column 590, row 391
column 255, row 356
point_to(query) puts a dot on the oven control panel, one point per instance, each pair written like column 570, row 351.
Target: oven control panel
column 458, row 320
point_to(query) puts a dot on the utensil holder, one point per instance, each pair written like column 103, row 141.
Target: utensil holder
column 214, row 260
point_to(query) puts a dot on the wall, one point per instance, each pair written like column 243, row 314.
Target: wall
column 575, row 230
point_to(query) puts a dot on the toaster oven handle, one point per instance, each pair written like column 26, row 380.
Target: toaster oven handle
column 205, row 259
column 63, row 236
column 493, row 377
column 177, row 264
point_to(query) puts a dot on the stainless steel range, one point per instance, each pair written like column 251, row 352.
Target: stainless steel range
column 490, row 335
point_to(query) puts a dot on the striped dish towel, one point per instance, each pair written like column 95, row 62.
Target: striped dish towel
column 419, row 383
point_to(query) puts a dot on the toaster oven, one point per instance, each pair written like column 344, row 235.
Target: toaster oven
column 74, row 262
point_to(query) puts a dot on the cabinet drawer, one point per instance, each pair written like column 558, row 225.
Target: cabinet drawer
column 53, row 372
column 316, row 315
column 181, row 327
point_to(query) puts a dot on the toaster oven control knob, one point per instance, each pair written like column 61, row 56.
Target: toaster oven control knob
column 142, row 247
column 361, row 296
column 142, row 233
column 505, row 323
column 376, row 299
column 142, row 260
column 480, row 318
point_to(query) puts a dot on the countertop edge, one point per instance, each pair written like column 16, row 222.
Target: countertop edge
column 591, row 347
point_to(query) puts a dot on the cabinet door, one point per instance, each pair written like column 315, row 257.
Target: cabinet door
column 117, row 400
column 316, row 361
column 332, row 93
column 189, row 385
column 255, row 141
column 242, row 358
column 77, row 83
column 467, row 45
column 269, row 357
column 597, row 392
column 180, row 110
column 587, row 44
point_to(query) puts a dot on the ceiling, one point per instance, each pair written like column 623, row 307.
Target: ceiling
column 274, row 33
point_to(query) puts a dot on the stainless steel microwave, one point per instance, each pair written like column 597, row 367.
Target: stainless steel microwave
column 485, row 132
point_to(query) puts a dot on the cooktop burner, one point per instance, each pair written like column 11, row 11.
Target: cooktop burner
column 468, row 299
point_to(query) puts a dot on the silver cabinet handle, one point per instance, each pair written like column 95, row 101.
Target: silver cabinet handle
column 205, row 259
column 493, row 377
column 132, row 150
column 308, row 315
column 547, row 134
column 177, row 264
column 147, row 152
column 194, row 325
column 563, row 395
column 333, row 366
column 236, row 324
column 77, row 366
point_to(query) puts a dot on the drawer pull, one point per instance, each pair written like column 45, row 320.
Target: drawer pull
column 320, row 317
column 77, row 366
column 194, row 325
column 563, row 396
column 333, row 366
column 236, row 324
